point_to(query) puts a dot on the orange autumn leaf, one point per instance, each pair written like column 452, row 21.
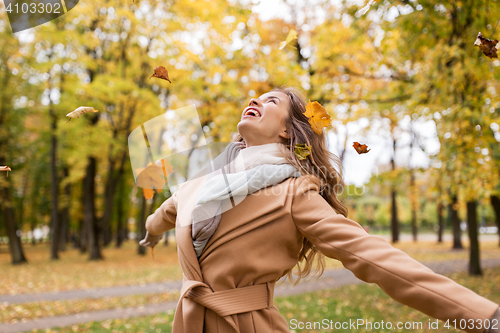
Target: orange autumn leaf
column 488, row 46
column 318, row 117
column 154, row 175
column 161, row 73
column 79, row 111
column 360, row 148
column 148, row 193
column 5, row 168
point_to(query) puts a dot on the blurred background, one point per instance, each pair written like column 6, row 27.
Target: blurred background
column 402, row 77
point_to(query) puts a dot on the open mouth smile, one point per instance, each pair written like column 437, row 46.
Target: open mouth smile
column 251, row 112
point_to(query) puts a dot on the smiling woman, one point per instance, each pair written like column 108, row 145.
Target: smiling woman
column 284, row 214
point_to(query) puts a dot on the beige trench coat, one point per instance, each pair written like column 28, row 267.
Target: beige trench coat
column 231, row 288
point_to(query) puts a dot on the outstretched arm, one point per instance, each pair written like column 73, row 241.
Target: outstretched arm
column 163, row 219
column 374, row 260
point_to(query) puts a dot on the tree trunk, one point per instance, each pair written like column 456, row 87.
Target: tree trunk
column 54, row 188
column 474, row 262
column 394, row 208
column 65, row 213
column 495, row 202
column 13, row 233
column 440, row 221
column 120, row 213
column 141, row 226
column 455, row 222
column 413, row 198
column 89, row 211
column 166, row 237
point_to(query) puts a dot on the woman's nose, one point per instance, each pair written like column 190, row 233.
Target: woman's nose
column 253, row 101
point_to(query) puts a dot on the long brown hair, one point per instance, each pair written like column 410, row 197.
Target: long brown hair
column 317, row 167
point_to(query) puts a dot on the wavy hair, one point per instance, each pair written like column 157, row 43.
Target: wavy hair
column 319, row 167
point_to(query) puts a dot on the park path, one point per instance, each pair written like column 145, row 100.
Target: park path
column 330, row 279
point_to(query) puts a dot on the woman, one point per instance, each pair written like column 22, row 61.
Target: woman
column 232, row 259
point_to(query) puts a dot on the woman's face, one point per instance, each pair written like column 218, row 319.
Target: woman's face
column 268, row 126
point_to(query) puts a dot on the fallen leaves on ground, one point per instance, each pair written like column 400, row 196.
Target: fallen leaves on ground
column 488, row 46
column 79, row 111
column 360, row 148
column 161, row 73
column 292, row 35
column 318, row 117
column 74, row 271
column 14, row 313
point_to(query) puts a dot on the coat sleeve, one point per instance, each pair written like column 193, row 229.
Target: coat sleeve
column 374, row 260
column 163, row 219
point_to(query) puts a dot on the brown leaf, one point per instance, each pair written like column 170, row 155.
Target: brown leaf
column 360, row 148
column 318, row 117
column 488, row 46
column 79, row 111
column 161, row 73
column 5, row 168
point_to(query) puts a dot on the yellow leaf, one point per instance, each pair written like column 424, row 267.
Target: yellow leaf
column 318, row 117
column 291, row 36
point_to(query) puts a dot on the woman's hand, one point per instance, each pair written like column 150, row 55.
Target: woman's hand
column 150, row 240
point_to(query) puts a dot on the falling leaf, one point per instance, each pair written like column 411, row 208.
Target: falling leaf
column 5, row 168
column 291, row 36
column 79, row 111
column 363, row 10
column 360, row 148
column 488, row 46
column 154, row 175
column 161, row 73
column 302, row 150
column 148, row 193
column 318, row 117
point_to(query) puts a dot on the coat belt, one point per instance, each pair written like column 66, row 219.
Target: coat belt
column 225, row 302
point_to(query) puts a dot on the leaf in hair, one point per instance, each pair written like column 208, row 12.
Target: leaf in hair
column 302, row 150
column 318, row 117
column 360, row 148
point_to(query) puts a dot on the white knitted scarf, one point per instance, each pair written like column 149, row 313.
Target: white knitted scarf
column 238, row 172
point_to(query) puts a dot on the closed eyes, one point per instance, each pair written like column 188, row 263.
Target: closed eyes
column 273, row 100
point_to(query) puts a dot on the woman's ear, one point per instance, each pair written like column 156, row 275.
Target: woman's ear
column 284, row 134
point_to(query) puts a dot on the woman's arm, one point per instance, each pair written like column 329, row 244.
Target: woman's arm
column 374, row 260
column 163, row 219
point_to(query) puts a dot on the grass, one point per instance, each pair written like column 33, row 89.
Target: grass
column 366, row 301
column 125, row 267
